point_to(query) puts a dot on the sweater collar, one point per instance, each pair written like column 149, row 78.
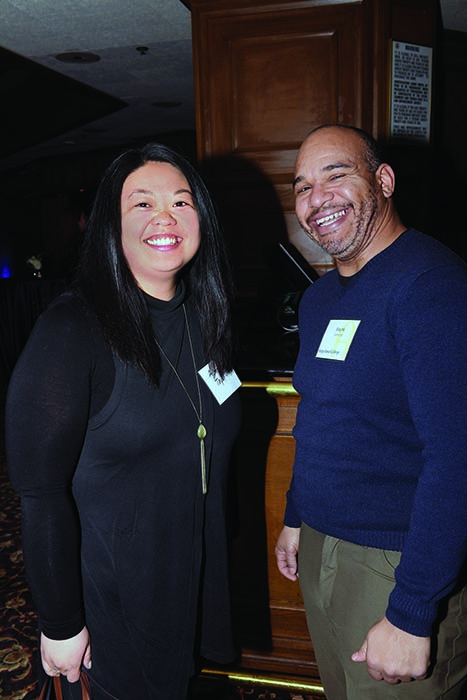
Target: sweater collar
column 170, row 305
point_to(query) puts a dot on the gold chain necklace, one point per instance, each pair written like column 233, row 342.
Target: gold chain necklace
column 201, row 433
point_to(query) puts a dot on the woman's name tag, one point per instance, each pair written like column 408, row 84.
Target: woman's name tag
column 220, row 388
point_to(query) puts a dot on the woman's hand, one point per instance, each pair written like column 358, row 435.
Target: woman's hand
column 66, row 656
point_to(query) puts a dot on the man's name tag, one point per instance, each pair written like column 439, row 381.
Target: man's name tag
column 337, row 339
column 220, row 388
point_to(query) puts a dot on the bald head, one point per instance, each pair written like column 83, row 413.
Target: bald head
column 372, row 151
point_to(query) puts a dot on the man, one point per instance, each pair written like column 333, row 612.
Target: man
column 376, row 516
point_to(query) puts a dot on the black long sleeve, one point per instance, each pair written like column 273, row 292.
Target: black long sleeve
column 64, row 374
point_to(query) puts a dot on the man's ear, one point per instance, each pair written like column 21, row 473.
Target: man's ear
column 386, row 179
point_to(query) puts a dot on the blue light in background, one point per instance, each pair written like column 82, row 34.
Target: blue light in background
column 5, row 269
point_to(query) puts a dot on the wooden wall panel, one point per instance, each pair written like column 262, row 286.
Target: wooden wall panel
column 272, row 79
column 274, row 75
column 268, row 607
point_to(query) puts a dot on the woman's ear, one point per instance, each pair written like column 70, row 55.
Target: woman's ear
column 386, row 179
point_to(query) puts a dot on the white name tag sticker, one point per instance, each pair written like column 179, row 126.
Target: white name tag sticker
column 337, row 339
column 220, row 388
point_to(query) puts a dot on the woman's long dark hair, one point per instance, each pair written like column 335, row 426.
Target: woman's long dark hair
column 109, row 287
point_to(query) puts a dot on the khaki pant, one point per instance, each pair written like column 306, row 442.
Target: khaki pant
column 345, row 588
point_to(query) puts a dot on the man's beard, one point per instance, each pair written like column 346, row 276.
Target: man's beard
column 344, row 249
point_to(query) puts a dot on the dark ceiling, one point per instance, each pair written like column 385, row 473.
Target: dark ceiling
column 78, row 76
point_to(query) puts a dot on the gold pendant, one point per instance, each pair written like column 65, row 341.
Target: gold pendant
column 202, row 435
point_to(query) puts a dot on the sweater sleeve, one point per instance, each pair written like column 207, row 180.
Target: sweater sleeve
column 291, row 517
column 48, row 405
column 431, row 331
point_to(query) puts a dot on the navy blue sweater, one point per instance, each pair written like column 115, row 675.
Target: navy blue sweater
column 381, row 432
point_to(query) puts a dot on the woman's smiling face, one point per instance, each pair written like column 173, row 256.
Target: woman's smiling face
column 160, row 226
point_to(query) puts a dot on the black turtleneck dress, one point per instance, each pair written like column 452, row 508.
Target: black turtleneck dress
column 117, row 533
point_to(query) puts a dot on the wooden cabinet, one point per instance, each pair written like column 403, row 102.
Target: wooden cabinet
column 272, row 71
column 289, row 630
column 268, row 608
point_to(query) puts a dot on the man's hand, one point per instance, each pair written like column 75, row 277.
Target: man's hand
column 393, row 655
column 286, row 552
column 66, row 656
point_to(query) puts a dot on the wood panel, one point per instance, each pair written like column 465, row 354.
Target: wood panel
column 273, row 75
column 288, row 622
column 268, row 608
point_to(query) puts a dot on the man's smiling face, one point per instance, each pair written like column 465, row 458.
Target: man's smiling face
column 338, row 200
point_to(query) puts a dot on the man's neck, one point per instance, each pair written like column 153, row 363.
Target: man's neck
column 389, row 233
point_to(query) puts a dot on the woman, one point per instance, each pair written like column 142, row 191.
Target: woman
column 120, row 449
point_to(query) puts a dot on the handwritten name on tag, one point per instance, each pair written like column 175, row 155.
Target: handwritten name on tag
column 337, row 339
